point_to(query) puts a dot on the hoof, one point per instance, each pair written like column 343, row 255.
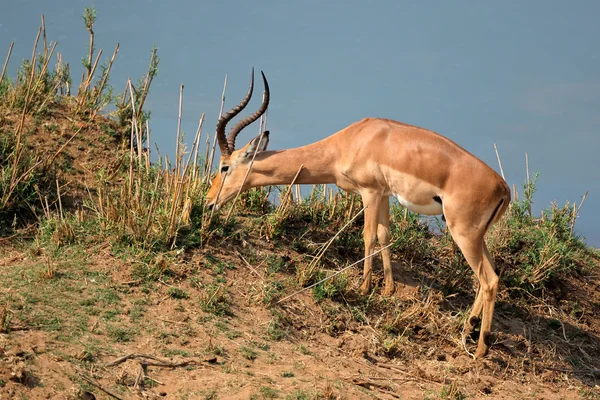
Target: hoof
column 481, row 353
column 365, row 288
column 389, row 290
column 474, row 321
column 489, row 338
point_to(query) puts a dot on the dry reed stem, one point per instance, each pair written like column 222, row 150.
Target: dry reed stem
column 499, row 162
column 133, row 123
column 197, row 146
column 148, row 147
column 194, row 154
column 336, row 273
column 262, row 125
column 105, row 77
column 47, row 58
column 177, row 178
column 576, row 212
column 206, row 172
column 44, row 32
column 85, row 84
column 528, row 183
column 283, row 205
column 177, row 144
column 147, row 83
column 19, row 133
column 324, row 248
column 91, row 49
column 51, row 159
column 37, row 38
column 527, row 167
column 151, row 208
column 214, row 145
column 62, row 217
column 57, row 84
column 6, row 62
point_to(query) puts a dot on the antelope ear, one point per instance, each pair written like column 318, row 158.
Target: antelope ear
column 255, row 143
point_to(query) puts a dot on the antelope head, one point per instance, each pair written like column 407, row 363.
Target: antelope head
column 234, row 164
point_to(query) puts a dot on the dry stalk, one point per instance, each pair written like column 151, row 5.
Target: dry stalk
column 196, row 145
column 177, row 144
column 283, row 205
column 86, row 82
column 133, row 130
column 330, row 241
column 193, row 154
column 147, row 82
column 576, row 212
column 214, row 145
column 37, row 38
column 51, row 159
column 527, row 167
column 206, row 172
column 499, row 162
column 46, row 59
column 151, row 208
column 336, row 273
column 62, row 217
column 19, row 133
column 105, row 78
column 148, row 147
column 44, row 32
column 6, row 62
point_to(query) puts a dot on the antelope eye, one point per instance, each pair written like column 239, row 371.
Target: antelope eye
column 224, row 169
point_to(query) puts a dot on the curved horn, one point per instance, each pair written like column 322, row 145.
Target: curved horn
column 225, row 148
column 251, row 118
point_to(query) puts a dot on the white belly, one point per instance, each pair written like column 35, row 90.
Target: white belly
column 432, row 208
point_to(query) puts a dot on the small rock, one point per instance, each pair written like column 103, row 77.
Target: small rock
column 15, row 351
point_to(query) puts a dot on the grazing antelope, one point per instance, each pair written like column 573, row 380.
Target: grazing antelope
column 378, row 158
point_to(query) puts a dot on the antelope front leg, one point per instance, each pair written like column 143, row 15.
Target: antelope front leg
column 372, row 203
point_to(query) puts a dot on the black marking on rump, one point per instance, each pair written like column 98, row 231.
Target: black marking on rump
column 494, row 214
column 438, row 199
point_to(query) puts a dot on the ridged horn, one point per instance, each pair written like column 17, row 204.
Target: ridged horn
column 228, row 116
column 251, row 118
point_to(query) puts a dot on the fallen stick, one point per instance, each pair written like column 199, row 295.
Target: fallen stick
column 93, row 382
column 335, row 274
column 149, row 360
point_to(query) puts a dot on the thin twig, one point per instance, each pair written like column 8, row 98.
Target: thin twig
column 149, row 360
column 285, row 201
column 335, row 274
column 499, row 162
column 93, row 382
column 250, row 266
column 326, row 246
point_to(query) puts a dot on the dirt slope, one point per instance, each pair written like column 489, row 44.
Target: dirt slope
column 68, row 314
